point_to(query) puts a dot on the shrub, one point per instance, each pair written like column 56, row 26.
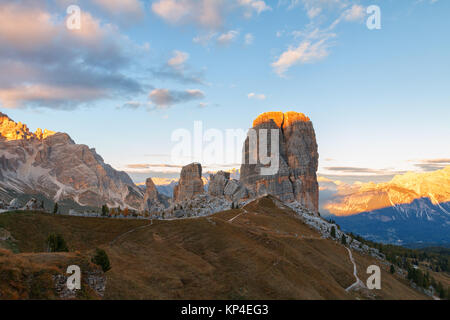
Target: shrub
column 392, row 270
column 101, row 259
column 56, row 243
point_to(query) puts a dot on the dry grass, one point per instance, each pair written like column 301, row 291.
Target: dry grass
column 30, row 275
column 265, row 253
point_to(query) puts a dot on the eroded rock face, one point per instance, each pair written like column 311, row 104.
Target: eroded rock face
column 153, row 201
column 296, row 178
column 220, row 185
column 10, row 130
column 190, row 183
column 53, row 165
column 217, row 183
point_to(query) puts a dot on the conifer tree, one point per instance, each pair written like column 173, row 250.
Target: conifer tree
column 333, row 232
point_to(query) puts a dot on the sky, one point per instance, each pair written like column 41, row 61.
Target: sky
column 133, row 73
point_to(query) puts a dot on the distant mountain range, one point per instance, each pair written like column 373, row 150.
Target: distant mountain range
column 413, row 208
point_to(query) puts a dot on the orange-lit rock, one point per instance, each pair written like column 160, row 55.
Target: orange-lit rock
column 277, row 117
column 296, row 178
column 282, row 120
column 10, row 130
column 292, row 117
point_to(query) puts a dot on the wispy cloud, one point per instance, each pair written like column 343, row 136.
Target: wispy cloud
column 205, row 13
column 432, row 164
column 258, row 96
column 227, row 37
column 177, row 69
column 249, row 38
column 252, row 6
column 306, row 52
column 315, row 40
column 164, row 98
column 223, row 39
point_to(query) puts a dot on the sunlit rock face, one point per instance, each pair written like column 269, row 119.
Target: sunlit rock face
column 296, row 178
column 401, row 190
column 190, row 183
column 10, row 130
column 53, row 165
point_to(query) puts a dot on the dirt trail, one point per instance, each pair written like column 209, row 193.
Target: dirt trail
column 358, row 282
column 128, row 232
column 232, row 219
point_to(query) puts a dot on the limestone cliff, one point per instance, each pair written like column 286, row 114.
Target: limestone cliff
column 53, row 165
column 296, row 178
column 190, row 183
column 153, row 200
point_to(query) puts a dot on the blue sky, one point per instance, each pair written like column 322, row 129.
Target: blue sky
column 138, row 70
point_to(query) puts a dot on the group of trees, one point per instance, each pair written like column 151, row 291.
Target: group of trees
column 424, row 280
column 112, row 212
column 432, row 259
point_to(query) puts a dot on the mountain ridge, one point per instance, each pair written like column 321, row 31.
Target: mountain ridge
column 52, row 164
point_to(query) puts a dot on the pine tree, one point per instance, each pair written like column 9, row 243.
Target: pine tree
column 101, row 258
column 344, row 240
column 105, row 210
column 55, row 208
column 392, row 269
column 440, row 290
column 56, row 243
column 333, row 232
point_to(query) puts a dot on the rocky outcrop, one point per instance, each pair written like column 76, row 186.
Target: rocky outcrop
column 295, row 179
column 153, row 201
column 10, row 130
column 190, row 183
column 217, row 183
column 34, row 205
column 220, row 185
column 52, row 164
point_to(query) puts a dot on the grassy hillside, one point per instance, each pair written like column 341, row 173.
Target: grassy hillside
column 259, row 252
